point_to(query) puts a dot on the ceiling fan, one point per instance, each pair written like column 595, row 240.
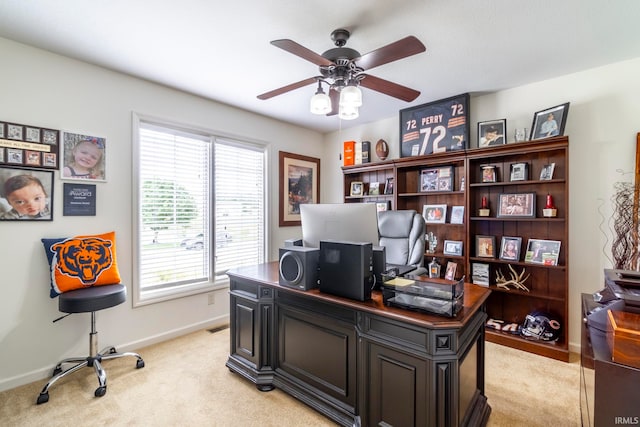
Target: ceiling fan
column 342, row 69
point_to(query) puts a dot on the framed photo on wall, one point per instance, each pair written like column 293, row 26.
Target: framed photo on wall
column 299, row 183
column 549, row 122
column 83, row 156
column 38, row 184
column 28, row 146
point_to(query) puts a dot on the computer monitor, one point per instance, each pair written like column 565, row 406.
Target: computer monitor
column 351, row 222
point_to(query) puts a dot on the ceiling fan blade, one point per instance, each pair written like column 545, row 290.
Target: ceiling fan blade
column 301, row 51
column 392, row 52
column 389, row 88
column 335, row 102
column 287, row 88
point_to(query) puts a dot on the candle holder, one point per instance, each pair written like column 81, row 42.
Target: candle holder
column 484, row 207
column 549, row 211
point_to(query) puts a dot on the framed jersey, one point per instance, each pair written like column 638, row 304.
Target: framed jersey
column 437, row 127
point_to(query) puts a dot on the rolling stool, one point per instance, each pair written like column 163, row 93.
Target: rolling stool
column 90, row 300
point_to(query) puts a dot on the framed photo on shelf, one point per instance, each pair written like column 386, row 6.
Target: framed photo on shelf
column 357, row 189
column 492, row 133
column 510, row 248
column 388, row 186
column 452, row 247
column 40, row 185
column 542, row 251
column 517, row 205
column 450, row 272
column 299, row 183
column 434, row 214
column 549, row 122
column 489, row 173
column 480, row 273
column 383, row 206
column 485, row 246
column 374, row 188
column 546, row 173
column 457, row 215
column 519, row 171
column 436, row 179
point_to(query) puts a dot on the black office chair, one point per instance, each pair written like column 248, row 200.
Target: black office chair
column 89, row 300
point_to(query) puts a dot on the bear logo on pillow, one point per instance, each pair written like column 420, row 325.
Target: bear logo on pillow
column 84, row 259
column 81, row 262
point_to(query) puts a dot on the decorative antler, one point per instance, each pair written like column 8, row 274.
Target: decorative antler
column 517, row 280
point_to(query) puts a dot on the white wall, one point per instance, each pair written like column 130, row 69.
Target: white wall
column 602, row 125
column 45, row 90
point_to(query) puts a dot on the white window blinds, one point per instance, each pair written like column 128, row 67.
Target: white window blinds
column 201, row 209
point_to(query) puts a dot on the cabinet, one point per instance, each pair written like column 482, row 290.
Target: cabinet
column 608, row 390
column 381, row 173
column 406, row 174
column 547, row 284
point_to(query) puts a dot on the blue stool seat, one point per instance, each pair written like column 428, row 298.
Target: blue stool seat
column 90, row 300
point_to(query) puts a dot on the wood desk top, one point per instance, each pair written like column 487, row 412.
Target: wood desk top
column 474, row 297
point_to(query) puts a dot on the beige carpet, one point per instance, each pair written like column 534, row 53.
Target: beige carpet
column 185, row 383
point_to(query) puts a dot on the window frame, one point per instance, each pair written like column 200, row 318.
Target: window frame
column 215, row 281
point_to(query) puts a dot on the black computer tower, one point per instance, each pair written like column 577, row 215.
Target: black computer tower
column 346, row 269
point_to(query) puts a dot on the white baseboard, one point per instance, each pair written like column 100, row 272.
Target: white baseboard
column 45, row 372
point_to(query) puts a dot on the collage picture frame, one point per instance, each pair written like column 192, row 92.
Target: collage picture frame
column 29, row 146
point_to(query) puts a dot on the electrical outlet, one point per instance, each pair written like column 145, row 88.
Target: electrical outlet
column 212, row 298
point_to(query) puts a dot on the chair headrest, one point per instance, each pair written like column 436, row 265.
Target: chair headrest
column 396, row 224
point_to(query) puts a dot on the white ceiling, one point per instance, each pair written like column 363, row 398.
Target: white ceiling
column 220, row 49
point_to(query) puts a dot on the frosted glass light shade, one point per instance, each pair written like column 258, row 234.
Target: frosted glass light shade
column 320, row 103
column 348, row 113
column 351, row 96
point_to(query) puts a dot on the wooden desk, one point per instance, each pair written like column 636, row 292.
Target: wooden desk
column 359, row 363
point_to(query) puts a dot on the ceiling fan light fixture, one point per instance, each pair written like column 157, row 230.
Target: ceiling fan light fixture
column 320, row 102
column 347, row 112
column 351, row 96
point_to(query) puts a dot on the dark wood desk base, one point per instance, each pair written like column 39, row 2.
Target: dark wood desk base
column 359, row 363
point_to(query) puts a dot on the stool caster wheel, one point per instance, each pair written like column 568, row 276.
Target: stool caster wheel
column 56, row 371
column 101, row 391
column 43, row 398
column 140, row 364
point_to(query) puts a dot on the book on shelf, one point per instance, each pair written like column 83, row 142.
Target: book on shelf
column 348, row 155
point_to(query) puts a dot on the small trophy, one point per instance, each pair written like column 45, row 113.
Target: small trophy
column 432, row 241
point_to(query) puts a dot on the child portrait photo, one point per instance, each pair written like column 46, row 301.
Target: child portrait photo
column 83, row 157
column 26, row 194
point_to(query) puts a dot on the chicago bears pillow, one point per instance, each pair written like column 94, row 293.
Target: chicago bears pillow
column 81, row 261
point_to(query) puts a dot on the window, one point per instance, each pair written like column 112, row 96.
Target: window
column 200, row 209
